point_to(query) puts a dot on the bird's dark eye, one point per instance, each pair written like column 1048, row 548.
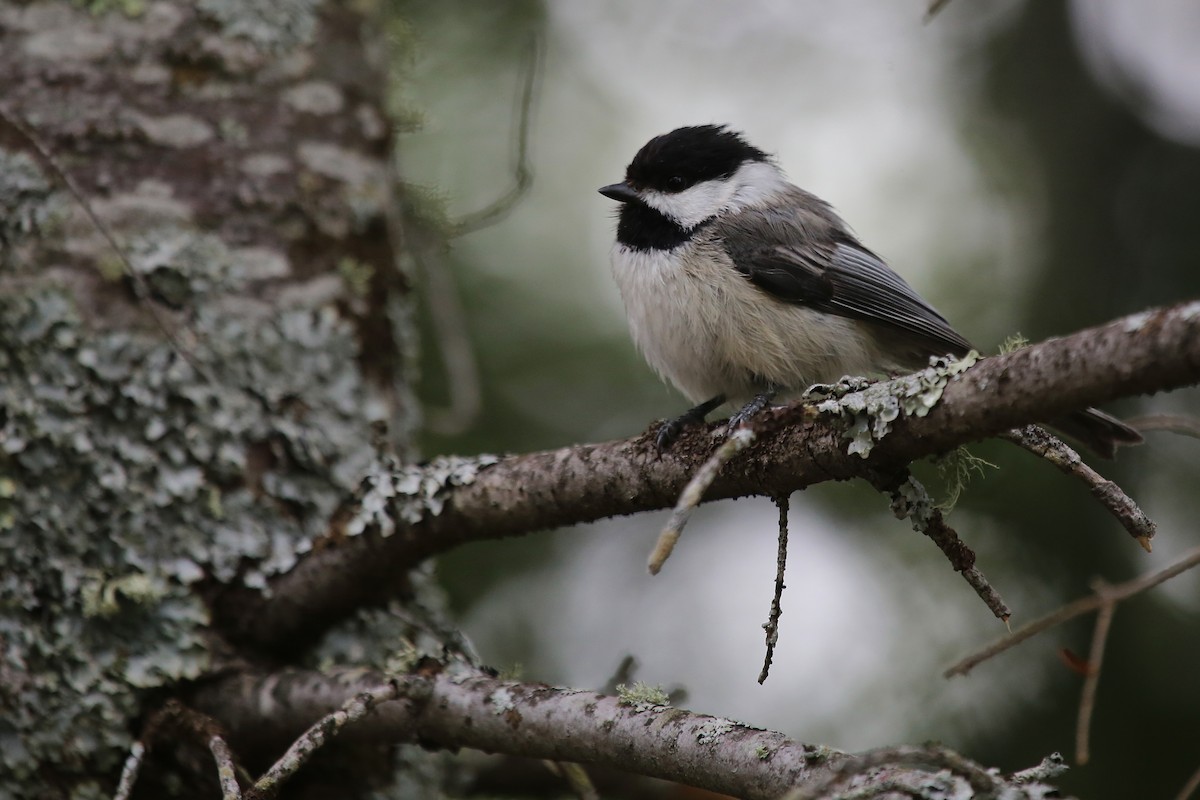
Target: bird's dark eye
column 676, row 182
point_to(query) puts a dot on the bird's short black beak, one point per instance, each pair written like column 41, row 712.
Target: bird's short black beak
column 621, row 192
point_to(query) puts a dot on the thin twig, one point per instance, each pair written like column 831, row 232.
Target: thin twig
column 502, row 207
column 318, row 734
column 1087, row 701
column 445, row 306
column 226, row 768
column 1190, row 787
column 1045, row 445
column 771, row 626
column 1181, row 424
column 1076, row 608
column 911, row 501
column 129, row 772
column 50, row 162
column 693, row 493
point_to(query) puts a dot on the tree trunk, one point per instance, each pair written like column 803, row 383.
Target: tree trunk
column 190, row 417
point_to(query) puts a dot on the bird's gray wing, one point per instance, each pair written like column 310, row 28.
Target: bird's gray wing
column 811, row 259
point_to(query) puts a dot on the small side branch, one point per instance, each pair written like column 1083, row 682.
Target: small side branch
column 1172, row 423
column 325, row 729
column 226, row 768
column 1045, row 445
column 1077, row 608
column 130, row 770
column 1190, row 787
column 693, row 493
column 1091, row 682
column 771, row 626
column 176, row 721
column 911, row 501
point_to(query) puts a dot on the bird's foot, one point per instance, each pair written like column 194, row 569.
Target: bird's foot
column 750, row 410
column 669, row 431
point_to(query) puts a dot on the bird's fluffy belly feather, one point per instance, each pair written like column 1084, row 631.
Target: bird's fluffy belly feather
column 710, row 333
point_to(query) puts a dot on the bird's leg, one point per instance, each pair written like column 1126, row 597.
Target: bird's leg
column 670, row 430
column 748, row 411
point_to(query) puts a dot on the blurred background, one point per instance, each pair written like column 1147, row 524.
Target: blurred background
column 1029, row 167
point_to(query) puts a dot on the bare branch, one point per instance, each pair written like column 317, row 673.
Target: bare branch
column 911, row 501
column 130, row 770
column 523, row 178
column 1190, row 787
column 1158, row 349
column 459, row 707
column 771, row 626
column 226, row 768
column 1077, row 608
column 322, row 731
column 1111, row 496
column 1181, row 424
column 1091, row 681
column 693, row 494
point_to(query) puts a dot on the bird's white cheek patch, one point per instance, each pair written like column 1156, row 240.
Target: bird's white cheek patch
column 752, row 184
column 693, row 205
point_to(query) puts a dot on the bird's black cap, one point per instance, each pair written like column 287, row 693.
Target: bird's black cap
column 687, row 156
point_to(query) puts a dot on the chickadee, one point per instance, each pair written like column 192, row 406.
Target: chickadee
column 739, row 285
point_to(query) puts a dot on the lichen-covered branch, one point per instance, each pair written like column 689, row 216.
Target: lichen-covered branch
column 1156, row 350
column 464, row 708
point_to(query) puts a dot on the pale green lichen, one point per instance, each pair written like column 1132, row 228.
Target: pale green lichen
column 112, row 450
column 643, row 696
column 357, row 274
column 105, row 598
column 1013, row 343
column 711, row 730
column 956, row 469
column 871, row 408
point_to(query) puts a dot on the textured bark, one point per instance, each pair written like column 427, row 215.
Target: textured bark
column 195, row 416
column 1143, row 353
column 462, row 708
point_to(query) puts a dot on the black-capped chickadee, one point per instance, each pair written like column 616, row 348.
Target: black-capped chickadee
column 739, row 285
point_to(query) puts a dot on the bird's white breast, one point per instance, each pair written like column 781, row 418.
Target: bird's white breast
column 709, row 331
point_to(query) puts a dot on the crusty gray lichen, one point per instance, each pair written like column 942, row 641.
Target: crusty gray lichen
column 126, row 477
column 409, row 493
column 29, row 203
column 871, row 408
column 273, row 25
